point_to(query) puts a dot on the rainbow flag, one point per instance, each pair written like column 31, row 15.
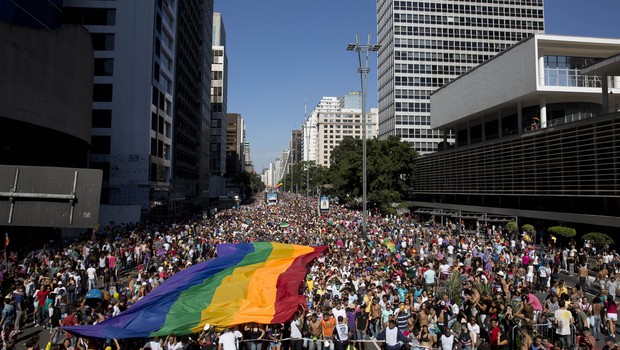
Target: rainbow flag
column 390, row 245
column 249, row 282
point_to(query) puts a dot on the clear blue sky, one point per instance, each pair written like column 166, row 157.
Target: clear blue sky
column 284, row 53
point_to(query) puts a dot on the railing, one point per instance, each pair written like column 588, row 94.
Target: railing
column 545, row 330
column 571, row 118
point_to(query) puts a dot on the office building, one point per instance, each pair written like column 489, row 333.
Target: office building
column 310, row 127
column 537, row 138
column 192, row 112
column 219, row 82
column 138, row 66
column 333, row 119
column 249, row 165
column 426, row 44
column 235, row 146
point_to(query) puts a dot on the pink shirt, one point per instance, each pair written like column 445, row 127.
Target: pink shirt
column 533, row 300
column 111, row 261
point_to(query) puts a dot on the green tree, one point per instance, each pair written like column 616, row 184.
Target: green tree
column 563, row 231
column 528, row 228
column 249, row 184
column 389, row 169
column 304, row 175
column 511, row 226
column 598, row 239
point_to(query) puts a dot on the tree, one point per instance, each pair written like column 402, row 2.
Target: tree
column 389, row 169
column 563, row 231
column 249, row 184
column 528, row 228
column 511, row 226
column 598, row 239
column 305, row 175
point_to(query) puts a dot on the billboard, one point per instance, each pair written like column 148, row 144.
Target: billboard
column 324, row 203
column 49, row 197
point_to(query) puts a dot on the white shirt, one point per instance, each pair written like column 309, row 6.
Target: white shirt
column 343, row 331
column 91, row 272
column 295, row 332
column 391, row 336
column 475, row 330
column 340, row 312
column 228, row 341
column 175, row 346
column 155, row 345
column 447, row 342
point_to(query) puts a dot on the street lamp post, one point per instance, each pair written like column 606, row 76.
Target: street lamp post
column 363, row 70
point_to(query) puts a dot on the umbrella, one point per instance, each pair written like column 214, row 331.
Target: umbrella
column 285, row 224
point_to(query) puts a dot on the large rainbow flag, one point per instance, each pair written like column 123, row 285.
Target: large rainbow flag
column 249, row 282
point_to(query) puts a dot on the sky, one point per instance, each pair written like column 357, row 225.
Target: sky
column 284, row 55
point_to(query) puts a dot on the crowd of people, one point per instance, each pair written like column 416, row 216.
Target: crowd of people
column 404, row 282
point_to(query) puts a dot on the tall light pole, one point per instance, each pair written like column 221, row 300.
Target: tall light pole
column 363, row 70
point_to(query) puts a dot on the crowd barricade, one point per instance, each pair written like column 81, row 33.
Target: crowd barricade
column 376, row 342
column 545, row 330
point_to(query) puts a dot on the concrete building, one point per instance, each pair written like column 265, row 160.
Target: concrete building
column 219, row 89
column 136, row 74
column 310, row 124
column 296, row 146
column 426, row 44
column 46, row 89
column 249, row 165
column 333, row 127
column 333, row 119
column 192, row 112
column 235, row 145
column 535, row 139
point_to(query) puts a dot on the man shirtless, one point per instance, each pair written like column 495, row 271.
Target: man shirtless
column 601, row 277
column 526, row 342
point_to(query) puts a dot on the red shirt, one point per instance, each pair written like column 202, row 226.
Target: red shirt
column 70, row 320
column 41, row 296
column 495, row 336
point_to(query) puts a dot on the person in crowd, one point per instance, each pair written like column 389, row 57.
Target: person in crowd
column 361, row 277
column 395, row 339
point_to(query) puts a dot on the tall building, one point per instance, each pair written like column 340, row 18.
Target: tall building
column 136, row 47
column 192, row 112
column 219, row 81
column 333, row 119
column 249, row 165
column 235, row 145
column 310, row 127
column 427, row 43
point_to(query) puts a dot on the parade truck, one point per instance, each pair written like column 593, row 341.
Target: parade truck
column 271, row 198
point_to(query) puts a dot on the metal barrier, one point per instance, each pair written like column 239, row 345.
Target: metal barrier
column 545, row 330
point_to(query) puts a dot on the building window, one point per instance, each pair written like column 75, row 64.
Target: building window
column 153, row 146
column 102, row 118
column 100, row 144
column 102, row 92
column 104, row 66
column 103, row 42
column 89, row 16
